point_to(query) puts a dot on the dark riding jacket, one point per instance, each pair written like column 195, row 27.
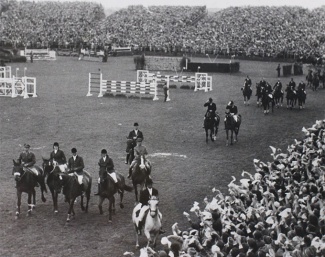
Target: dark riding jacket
column 212, row 108
column 105, row 166
column 232, row 109
column 59, row 157
column 76, row 165
column 28, row 159
column 133, row 134
column 145, row 195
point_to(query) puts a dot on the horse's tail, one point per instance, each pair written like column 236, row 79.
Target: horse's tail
column 127, row 188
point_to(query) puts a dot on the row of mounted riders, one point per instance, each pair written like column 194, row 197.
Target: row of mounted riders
column 268, row 96
column 28, row 178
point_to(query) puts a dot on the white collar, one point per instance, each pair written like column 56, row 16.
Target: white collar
column 150, row 190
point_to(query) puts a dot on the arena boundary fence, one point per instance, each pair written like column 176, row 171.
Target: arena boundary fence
column 202, row 81
column 16, row 86
column 97, row 84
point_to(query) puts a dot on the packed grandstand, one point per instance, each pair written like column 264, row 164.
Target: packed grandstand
column 262, row 31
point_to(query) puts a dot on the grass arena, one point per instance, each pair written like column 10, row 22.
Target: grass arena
column 185, row 168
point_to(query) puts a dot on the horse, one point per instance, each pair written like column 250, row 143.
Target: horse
column 278, row 96
column 247, row 93
column 72, row 189
column 48, row 167
column 108, row 190
column 233, row 126
column 140, row 173
column 151, row 221
column 258, row 94
column 301, row 96
column 267, row 100
column 291, row 97
column 26, row 182
column 211, row 123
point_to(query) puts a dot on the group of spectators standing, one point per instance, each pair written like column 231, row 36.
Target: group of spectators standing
column 277, row 211
column 265, row 31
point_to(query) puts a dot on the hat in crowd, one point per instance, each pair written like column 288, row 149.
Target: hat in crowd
column 73, row 150
column 104, row 151
column 136, row 124
column 56, row 144
column 139, row 139
column 26, row 145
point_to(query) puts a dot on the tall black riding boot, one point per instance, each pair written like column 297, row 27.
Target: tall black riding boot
column 130, row 172
column 127, row 158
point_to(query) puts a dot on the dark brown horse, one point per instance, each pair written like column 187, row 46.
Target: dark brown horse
column 247, row 93
column 72, row 188
column 108, row 190
column 48, row 168
column 140, row 173
column 211, row 123
column 26, row 182
column 233, row 126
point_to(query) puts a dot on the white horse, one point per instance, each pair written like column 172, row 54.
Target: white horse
column 151, row 222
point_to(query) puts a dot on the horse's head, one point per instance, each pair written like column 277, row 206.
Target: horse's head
column 153, row 206
column 17, row 170
column 48, row 165
column 58, row 179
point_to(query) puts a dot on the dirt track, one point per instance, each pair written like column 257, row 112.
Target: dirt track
column 63, row 113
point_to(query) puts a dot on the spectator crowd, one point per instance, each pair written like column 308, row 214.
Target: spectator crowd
column 277, row 211
column 263, row 31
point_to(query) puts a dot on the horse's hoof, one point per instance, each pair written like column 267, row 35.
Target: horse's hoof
column 121, row 205
column 110, row 221
column 56, row 212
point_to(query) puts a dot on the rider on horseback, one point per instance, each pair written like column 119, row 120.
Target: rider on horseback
column 133, row 135
column 28, row 160
column 292, row 84
column 106, row 165
column 212, row 108
column 278, row 85
column 57, row 157
column 139, row 151
column 76, row 166
column 248, row 81
column 145, row 195
column 302, row 86
column 232, row 109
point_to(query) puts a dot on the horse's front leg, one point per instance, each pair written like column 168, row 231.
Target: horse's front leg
column 30, row 206
column 148, row 236
column 110, row 207
column 206, row 135
column 227, row 134
column 100, row 204
column 18, row 204
column 136, row 237
column 71, row 211
column 82, row 202
column 211, row 134
column 54, row 194
column 34, row 199
column 231, row 137
column 121, row 199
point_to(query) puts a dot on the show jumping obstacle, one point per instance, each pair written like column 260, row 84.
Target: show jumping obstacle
column 98, row 85
column 16, row 86
column 201, row 80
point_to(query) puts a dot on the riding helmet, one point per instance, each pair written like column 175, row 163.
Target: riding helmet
column 104, row 151
column 73, row 150
column 56, row 144
column 26, row 145
column 135, row 124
